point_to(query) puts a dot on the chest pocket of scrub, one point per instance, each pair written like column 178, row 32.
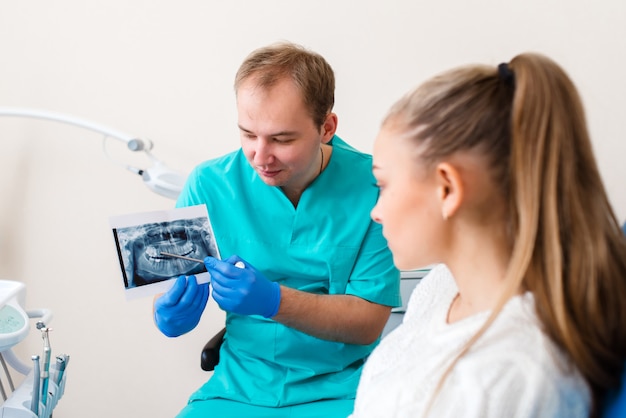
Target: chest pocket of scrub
column 320, row 269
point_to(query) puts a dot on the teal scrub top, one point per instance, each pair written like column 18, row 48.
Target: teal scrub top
column 328, row 244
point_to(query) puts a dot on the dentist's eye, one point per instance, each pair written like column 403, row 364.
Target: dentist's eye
column 283, row 141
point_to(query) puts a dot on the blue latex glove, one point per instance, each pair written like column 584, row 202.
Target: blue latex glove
column 243, row 291
column 178, row 311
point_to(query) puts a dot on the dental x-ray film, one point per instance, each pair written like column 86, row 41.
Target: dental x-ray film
column 141, row 239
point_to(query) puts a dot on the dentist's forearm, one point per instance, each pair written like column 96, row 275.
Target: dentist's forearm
column 343, row 318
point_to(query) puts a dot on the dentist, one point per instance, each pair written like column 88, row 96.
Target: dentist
column 318, row 281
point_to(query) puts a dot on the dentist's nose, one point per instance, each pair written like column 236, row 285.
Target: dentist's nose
column 262, row 153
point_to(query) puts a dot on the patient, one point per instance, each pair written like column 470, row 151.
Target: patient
column 489, row 172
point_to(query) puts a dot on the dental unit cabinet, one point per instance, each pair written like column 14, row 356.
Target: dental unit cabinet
column 27, row 400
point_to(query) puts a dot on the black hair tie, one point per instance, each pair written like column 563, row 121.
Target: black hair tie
column 506, row 74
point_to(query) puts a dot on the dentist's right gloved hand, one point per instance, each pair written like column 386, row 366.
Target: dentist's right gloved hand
column 242, row 290
column 178, row 311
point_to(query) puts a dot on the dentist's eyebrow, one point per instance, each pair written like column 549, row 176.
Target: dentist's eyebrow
column 281, row 133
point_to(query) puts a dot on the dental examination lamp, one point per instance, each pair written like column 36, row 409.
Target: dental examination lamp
column 159, row 178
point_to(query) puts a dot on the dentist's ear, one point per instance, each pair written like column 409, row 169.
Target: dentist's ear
column 449, row 189
column 329, row 127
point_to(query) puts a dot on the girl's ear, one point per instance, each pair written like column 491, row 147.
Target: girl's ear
column 449, row 189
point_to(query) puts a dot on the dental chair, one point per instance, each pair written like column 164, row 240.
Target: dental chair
column 615, row 403
column 210, row 355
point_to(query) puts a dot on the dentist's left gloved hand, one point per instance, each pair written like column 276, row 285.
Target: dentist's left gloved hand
column 244, row 291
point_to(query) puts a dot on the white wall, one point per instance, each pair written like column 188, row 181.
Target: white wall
column 164, row 70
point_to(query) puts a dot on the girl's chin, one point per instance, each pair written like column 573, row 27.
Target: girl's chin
column 402, row 263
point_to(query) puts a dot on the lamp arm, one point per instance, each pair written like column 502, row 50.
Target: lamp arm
column 158, row 178
column 133, row 143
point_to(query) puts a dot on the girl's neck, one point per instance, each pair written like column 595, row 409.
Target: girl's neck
column 479, row 268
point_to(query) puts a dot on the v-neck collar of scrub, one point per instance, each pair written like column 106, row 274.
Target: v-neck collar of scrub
column 310, row 191
column 316, row 184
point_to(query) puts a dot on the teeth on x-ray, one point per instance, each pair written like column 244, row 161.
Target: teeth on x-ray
column 153, row 252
